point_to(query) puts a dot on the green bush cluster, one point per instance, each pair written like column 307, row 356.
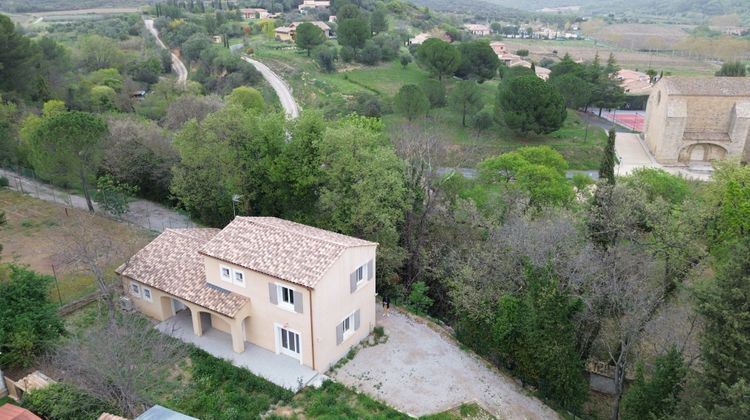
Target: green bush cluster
column 220, row 390
column 61, row 401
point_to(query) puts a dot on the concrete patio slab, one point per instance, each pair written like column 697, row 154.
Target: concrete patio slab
column 277, row 368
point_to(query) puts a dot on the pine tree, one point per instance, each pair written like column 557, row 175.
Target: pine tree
column 725, row 348
column 607, row 167
column 657, row 397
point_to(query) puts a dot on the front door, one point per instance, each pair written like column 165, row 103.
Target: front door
column 289, row 343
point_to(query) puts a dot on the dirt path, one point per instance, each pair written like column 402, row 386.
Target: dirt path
column 143, row 213
column 421, row 372
column 177, row 65
column 282, row 89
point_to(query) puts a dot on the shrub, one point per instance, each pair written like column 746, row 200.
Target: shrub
column 29, row 323
column 3, row 182
column 482, row 120
column 326, row 56
column 347, row 54
column 368, row 105
column 522, row 53
column 435, row 92
column 405, row 60
column 370, row 54
column 419, row 302
column 61, row 401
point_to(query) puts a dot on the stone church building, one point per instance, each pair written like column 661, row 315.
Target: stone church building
column 698, row 119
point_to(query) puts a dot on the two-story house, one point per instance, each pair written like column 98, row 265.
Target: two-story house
column 286, row 287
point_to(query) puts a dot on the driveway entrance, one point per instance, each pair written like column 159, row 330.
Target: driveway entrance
column 421, row 372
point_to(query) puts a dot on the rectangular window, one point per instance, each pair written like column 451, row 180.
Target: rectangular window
column 287, row 295
column 361, row 273
column 239, row 278
column 135, row 290
column 347, row 326
column 226, row 273
column 147, row 294
column 289, row 342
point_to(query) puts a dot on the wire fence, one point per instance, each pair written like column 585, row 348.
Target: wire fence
column 143, row 213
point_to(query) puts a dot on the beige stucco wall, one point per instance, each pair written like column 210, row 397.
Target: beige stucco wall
column 160, row 308
column 333, row 301
column 154, row 309
column 260, row 327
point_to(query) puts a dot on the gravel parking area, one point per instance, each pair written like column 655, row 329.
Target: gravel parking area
column 420, row 371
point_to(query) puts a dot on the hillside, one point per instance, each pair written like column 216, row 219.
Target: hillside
column 26, row 6
column 692, row 9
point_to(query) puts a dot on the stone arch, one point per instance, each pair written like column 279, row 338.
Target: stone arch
column 702, row 152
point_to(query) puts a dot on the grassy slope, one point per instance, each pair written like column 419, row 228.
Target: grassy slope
column 36, row 229
column 317, row 90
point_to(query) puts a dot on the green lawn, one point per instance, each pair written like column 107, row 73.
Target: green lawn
column 332, row 93
column 582, row 147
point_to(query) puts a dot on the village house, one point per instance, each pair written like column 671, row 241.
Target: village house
column 476, row 29
column 286, row 33
column 254, row 13
column 698, row 119
column 294, row 290
column 313, row 4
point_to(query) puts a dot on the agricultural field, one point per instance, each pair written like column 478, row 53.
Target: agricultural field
column 37, row 230
column 626, row 58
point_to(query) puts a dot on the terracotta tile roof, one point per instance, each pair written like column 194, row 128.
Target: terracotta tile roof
column 9, row 411
column 290, row 251
column 707, row 86
column 107, row 416
column 171, row 263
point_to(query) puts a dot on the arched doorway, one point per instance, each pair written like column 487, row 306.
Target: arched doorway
column 702, row 152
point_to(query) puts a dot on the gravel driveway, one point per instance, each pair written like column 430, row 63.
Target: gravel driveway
column 421, row 372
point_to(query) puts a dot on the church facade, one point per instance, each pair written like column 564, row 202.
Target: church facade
column 698, row 119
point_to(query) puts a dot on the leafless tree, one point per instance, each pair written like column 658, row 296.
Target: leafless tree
column 121, row 362
column 629, row 293
column 187, row 107
column 423, row 152
column 86, row 250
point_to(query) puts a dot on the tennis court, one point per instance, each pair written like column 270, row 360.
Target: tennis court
column 627, row 119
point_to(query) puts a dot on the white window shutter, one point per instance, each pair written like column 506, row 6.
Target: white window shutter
column 272, row 294
column 339, row 333
column 370, row 270
column 353, row 281
column 356, row 320
column 298, row 302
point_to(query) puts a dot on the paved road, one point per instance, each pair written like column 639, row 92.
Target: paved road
column 177, row 65
column 143, row 213
column 421, row 371
column 472, row 173
column 282, row 90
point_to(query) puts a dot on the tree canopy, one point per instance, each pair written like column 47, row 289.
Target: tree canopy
column 528, row 103
column 66, row 147
column 308, row 36
column 438, row 57
column 411, row 101
column 29, row 323
column 478, row 61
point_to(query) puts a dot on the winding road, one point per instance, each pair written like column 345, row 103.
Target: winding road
column 282, row 90
column 177, row 65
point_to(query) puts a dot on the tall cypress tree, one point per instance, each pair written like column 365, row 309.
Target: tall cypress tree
column 607, row 167
column 725, row 348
